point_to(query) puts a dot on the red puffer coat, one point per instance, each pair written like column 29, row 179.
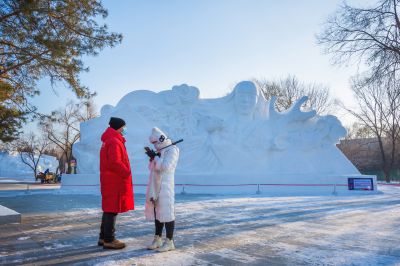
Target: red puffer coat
column 115, row 173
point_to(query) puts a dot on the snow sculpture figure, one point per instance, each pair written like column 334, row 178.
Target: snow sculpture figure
column 248, row 111
column 241, row 133
column 86, row 149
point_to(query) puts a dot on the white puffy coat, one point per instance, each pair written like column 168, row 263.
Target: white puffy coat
column 161, row 186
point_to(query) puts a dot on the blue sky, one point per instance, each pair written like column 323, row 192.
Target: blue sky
column 210, row 44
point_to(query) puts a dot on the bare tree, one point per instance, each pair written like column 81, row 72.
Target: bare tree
column 378, row 112
column 358, row 131
column 62, row 126
column 290, row 89
column 268, row 88
column 88, row 110
column 369, row 35
column 30, row 149
column 361, row 147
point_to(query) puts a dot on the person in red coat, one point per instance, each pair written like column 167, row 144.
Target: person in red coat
column 115, row 182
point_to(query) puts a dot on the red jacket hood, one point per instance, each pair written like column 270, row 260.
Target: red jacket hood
column 111, row 133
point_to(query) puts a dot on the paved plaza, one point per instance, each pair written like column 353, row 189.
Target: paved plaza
column 59, row 229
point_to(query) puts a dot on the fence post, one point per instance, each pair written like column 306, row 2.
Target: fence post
column 183, row 190
column 334, row 192
column 258, row 189
column 27, row 189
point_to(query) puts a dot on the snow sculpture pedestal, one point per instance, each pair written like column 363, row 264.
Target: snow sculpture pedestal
column 236, row 143
column 8, row 216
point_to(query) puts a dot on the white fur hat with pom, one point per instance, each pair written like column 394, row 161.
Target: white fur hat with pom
column 159, row 138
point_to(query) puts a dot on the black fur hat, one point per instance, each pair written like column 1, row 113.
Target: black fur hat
column 116, row 123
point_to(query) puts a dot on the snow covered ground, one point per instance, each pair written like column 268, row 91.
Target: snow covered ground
column 212, row 230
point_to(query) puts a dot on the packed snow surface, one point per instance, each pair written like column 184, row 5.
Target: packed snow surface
column 214, row 230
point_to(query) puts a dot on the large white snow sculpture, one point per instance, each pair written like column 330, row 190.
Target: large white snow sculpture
column 239, row 138
column 11, row 166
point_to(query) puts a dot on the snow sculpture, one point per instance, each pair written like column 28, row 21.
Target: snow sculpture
column 12, row 166
column 240, row 133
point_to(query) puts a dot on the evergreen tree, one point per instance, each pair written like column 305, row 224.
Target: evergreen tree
column 45, row 38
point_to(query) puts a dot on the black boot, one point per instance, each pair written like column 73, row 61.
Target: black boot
column 107, row 228
column 109, row 232
column 101, row 235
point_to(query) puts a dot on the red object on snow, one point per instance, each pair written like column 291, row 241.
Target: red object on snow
column 115, row 173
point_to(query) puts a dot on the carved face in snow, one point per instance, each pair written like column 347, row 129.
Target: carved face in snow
column 245, row 97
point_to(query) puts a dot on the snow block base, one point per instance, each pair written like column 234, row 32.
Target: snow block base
column 8, row 216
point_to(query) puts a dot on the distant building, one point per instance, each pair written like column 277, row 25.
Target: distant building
column 363, row 153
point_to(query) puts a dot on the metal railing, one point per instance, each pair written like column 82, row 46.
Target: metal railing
column 258, row 187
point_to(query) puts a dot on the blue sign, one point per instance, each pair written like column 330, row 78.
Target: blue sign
column 358, row 183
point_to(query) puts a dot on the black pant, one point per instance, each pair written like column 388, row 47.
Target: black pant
column 169, row 227
column 107, row 228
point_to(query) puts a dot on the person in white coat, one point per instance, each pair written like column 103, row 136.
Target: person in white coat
column 160, row 194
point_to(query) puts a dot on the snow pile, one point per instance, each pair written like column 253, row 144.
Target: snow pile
column 23, row 238
column 12, row 166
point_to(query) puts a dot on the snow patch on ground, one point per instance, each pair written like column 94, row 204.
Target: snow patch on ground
column 23, row 238
column 56, row 246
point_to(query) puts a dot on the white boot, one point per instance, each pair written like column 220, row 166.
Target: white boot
column 168, row 245
column 157, row 242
